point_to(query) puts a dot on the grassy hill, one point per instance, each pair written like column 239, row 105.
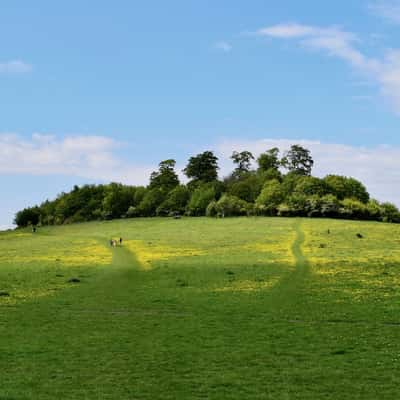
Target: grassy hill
column 255, row 308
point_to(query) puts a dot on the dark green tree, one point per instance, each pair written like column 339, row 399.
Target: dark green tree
column 247, row 188
column 203, row 167
column 165, row 178
column 176, row 201
column 298, row 160
column 310, row 185
column 269, row 160
column 117, row 200
column 243, row 162
column 27, row 216
column 343, row 187
column 151, row 200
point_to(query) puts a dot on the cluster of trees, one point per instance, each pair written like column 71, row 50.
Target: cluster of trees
column 280, row 185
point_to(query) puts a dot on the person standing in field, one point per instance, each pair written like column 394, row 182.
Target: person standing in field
column 120, row 241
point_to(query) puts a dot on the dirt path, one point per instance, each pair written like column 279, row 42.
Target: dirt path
column 302, row 265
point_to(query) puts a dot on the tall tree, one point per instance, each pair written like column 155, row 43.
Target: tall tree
column 243, row 161
column 298, row 160
column 165, row 178
column 269, row 160
column 203, row 167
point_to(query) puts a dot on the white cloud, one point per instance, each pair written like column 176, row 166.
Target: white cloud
column 378, row 167
column 388, row 9
column 287, row 31
column 91, row 157
column 385, row 72
column 96, row 158
column 15, row 67
column 223, row 46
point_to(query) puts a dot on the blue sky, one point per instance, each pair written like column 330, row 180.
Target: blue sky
column 98, row 91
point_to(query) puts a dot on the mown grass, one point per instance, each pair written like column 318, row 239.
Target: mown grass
column 257, row 308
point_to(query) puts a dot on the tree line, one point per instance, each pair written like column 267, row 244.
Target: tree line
column 280, row 185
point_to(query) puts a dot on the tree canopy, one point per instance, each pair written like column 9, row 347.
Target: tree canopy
column 282, row 187
column 203, row 167
column 298, row 160
column 242, row 161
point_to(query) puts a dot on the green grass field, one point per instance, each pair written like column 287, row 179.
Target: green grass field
column 244, row 308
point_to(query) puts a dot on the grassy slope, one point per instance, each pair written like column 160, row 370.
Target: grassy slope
column 200, row 308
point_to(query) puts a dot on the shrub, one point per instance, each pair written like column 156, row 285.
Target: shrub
column 270, row 197
column 309, row 186
column 353, row 209
column 132, row 212
column 117, row 199
column 297, row 205
column 246, row 188
column 390, row 213
column 329, row 206
column 151, row 200
column 228, row 206
column 212, row 209
column 374, row 210
column 175, row 202
column 343, row 187
column 201, row 198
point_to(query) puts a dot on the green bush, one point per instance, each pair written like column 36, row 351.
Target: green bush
column 212, row 209
column 310, row 186
column 151, row 200
column 201, row 198
column 246, row 188
column 390, row 213
column 132, row 212
column 343, row 187
column 353, row 209
column 270, row 197
column 228, row 206
column 175, row 202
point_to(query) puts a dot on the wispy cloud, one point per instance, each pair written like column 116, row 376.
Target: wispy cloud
column 377, row 167
column 92, row 157
column 15, row 67
column 223, row 46
column 336, row 42
column 388, row 9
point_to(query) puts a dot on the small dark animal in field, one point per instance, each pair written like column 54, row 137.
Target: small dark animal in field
column 230, row 273
column 4, row 294
column 181, row 283
column 74, row 280
column 322, row 246
column 338, row 352
column 329, row 231
column 359, row 235
column 175, row 215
